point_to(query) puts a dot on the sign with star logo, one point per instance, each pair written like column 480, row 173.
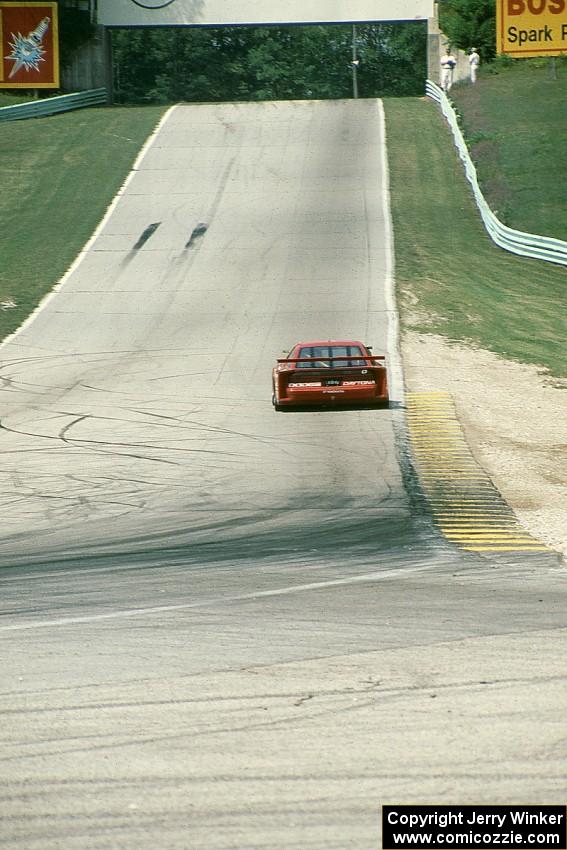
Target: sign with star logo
column 29, row 45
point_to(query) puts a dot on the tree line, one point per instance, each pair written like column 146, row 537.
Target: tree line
column 470, row 23
column 268, row 63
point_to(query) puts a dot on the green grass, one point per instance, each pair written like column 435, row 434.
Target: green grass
column 11, row 99
column 58, row 176
column 515, row 123
column 452, row 280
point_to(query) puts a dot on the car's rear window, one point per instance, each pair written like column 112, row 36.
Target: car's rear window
column 330, row 351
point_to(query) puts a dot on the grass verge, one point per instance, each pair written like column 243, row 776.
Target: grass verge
column 58, row 176
column 515, row 123
column 9, row 99
column 452, row 280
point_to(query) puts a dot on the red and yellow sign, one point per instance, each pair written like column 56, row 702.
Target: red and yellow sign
column 531, row 27
column 30, row 45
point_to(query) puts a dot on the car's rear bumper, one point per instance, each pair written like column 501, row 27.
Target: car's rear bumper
column 332, row 397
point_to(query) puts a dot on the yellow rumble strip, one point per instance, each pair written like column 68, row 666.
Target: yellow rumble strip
column 466, row 505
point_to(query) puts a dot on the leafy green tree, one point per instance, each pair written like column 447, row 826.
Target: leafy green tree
column 394, row 59
column 470, row 23
column 267, row 63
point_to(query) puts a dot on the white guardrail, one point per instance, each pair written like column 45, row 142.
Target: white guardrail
column 524, row 244
column 52, row 105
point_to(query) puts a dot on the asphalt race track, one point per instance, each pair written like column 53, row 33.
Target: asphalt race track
column 224, row 627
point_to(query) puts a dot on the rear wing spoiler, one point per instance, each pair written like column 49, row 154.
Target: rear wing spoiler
column 371, row 357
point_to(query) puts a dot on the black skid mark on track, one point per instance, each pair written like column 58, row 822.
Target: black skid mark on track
column 197, row 233
column 147, row 234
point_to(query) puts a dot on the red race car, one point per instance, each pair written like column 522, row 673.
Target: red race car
column 330, row 373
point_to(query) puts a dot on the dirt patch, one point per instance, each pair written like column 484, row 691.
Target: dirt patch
column 514, row 421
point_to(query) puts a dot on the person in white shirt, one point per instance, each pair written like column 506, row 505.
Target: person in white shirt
column 448, row 63
column 474, row 62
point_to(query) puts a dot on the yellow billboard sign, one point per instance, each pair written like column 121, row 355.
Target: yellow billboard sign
column 531, row 27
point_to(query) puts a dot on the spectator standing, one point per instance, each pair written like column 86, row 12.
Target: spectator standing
column 448, row 63
column 474, row 62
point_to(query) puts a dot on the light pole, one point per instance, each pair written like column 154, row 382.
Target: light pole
column 355, row 63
